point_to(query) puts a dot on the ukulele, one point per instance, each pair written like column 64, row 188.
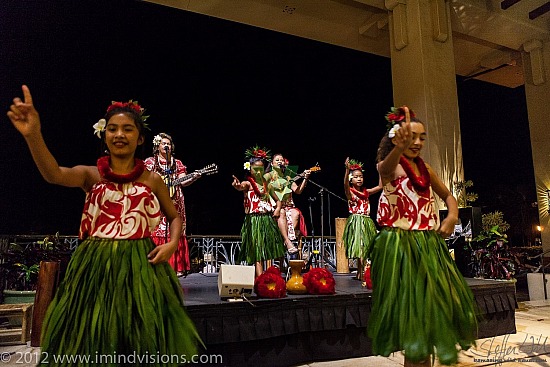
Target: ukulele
column 315, row 168
column 206, row 170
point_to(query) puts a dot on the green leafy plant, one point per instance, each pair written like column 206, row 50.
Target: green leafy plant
column 464, row 198
column 490, row 256
column 20, row 263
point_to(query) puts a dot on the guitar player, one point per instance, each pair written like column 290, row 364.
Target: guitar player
column 171, row 169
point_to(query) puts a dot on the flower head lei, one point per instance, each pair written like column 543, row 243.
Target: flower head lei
column 354, row 165
column 157, row 140
column 395, row 117
column 257, row 152
column 100, row 126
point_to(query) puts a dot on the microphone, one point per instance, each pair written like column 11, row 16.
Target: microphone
column 166, row 148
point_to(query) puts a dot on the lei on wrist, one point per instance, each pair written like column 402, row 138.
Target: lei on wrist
column 319, row 281
column 420, row 183
column 99, row 126
column 270, row 284
column 395, row 117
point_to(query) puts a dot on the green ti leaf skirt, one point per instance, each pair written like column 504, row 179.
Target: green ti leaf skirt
column 421, row 303
column 261, row 239
column 114, row 305
column 358, row 235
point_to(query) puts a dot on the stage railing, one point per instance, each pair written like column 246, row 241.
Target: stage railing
column 208, row 252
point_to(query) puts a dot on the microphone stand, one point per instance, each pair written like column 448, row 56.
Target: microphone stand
column 321, row 192
column 311, row 254
column 167, row 173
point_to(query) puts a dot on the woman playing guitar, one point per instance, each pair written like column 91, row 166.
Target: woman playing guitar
column 170, row 168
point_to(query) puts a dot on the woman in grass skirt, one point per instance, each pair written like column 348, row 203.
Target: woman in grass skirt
column 421, row 303
column 260, row 235
column 360, row 229
column 120, row 302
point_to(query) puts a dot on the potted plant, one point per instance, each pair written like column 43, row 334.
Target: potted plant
column 20, row 264
column 490, row 256
column 464, row 198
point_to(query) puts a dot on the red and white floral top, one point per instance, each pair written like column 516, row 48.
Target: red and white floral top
column 359, row 202
column 401, row 206
column 253, row 204
column 119, row 210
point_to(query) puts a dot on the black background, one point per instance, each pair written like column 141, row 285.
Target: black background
column 219, row 88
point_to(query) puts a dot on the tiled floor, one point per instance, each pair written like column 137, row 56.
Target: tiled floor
column 529, row 347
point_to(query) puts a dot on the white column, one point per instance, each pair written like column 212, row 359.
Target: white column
column 423, row 72
column 536, row 60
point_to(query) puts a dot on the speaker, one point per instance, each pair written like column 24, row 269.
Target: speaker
column 468, row 218
column 235, row 280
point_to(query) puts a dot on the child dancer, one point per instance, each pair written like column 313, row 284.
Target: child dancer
column 119, row 297
column 421, row 303
column 260, row 235
column 360, row 229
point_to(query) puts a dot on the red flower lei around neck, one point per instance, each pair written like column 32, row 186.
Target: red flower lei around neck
column 106, row 172
column 255, row 186
column 363, row 195
column 420, row 183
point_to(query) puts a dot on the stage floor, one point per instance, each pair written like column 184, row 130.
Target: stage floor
column 307, row 328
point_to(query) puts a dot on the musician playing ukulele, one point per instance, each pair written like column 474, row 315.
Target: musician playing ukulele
column 171, row 169
column 291, row 221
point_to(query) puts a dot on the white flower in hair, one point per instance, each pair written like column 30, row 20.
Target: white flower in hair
column 393, row 130
column 157, row 140
column 350, row 176
column 246, row 166
column 99, row 127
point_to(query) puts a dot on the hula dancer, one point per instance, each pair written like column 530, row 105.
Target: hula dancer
column 261, row 238
column 119, row 297
column 421, row 303
column 360, row 229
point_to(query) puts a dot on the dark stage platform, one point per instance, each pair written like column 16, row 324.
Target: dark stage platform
column 307, row 328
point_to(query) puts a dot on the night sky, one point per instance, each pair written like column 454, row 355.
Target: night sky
column 219, row 88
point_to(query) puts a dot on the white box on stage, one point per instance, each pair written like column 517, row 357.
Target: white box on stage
column 235, row 280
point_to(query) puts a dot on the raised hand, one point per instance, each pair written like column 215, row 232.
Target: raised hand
column 403, row 136
column 236, row 183
column 23, row 115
